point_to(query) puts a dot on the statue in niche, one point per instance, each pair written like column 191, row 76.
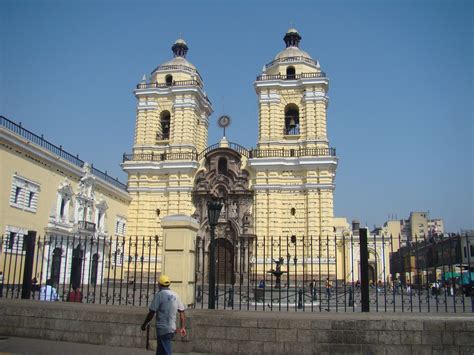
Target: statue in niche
column 222, row 215
column 233, row 209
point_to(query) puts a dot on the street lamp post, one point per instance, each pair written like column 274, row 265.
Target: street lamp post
column 213, row 212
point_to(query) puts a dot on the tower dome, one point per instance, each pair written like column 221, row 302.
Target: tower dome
column 180, row 49
column 292, row 40
column 178, row 68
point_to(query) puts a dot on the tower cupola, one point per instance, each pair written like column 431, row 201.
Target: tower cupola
column 180, row 48
column 292, row 38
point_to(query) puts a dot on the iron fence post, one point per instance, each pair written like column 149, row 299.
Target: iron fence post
column 300, row 298
column 212, row 272
column 230, row 300
column 30, row 239
column 364, row 270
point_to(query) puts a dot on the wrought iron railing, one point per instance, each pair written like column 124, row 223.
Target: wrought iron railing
column 174, row 83
column 237, row 147
column 41, row 142
column 253, row 153
column 176, row 67
column 86, row 225
column 295, row 131
column 265, row 77
column 290, row 153
column 292, row 59
column 160, row 156
column 280, row 273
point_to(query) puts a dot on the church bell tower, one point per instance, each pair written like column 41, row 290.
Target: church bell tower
column 293, row 166
column 171, row 129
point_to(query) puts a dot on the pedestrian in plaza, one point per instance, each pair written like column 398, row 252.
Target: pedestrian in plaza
column 328, row 288
column 165, row 304
column 1, row 284
column 75, row 295
column 312, row 286
column 49, row 292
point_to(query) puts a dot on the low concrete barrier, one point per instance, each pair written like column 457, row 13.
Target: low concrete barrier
column 246, row 332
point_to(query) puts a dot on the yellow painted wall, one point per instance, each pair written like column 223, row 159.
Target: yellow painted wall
column 25, row 159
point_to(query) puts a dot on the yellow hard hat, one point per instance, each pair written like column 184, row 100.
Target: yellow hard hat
column 164, row 280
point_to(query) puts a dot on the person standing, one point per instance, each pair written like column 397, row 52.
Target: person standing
column 48, row 292
column 75, row 295
column 328, row 288
column 165, row 304
column 1, row 284
column 313, row 289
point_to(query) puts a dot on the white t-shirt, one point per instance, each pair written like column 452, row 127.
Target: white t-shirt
column 166, row 304
column 48, row 293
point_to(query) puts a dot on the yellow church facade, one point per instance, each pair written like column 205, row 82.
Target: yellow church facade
column 282, row 189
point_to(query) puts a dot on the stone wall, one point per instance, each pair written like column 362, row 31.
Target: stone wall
column 246, row 332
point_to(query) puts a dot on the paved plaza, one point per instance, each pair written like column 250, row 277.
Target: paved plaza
column 12, row 345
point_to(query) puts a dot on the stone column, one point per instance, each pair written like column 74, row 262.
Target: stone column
column 179, row 254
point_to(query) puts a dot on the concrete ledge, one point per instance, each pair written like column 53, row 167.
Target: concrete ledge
column 245, row 332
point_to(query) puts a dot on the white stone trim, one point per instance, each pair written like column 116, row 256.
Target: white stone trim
column 18, row 230
column 269, row 261
column 280, row 83
column 161, row 189
column 147, row 103
column 157, row 167
column 315, row 96
column 284, row 163
column 202, row 99
column 269, row 98
column 144, row 108
column 300, row 187
column 301, row 144
column 24, row 193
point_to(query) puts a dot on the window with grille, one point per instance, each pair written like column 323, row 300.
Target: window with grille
column 14, row 243
column 24, row 194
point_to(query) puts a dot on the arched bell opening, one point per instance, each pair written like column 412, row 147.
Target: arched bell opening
column 292, row 120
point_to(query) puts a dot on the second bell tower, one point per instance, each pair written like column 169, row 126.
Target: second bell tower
column 294, row 167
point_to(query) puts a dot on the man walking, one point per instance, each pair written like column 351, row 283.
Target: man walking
column 166, row 304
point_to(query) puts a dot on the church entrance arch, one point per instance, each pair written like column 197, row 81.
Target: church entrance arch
column 225, row 261
column 223, row 179
column 371, row 273
column 56, row 266
column 94, row 269
column 76, row 266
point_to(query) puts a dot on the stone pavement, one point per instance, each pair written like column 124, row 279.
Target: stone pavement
column 12, row 345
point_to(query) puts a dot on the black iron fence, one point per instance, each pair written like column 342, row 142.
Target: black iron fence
column 113, row 270
column 324, row 273
column 290, row 273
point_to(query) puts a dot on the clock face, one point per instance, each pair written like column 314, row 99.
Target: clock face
column 224, row 121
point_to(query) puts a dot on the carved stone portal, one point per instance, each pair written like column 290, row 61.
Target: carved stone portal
column 224, row 179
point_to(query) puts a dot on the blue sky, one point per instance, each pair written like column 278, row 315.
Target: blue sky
column 401, row 85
